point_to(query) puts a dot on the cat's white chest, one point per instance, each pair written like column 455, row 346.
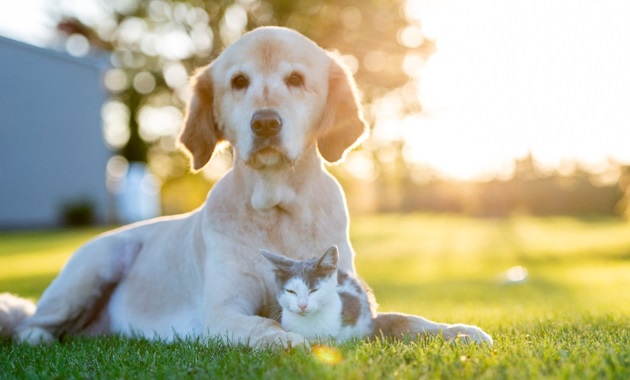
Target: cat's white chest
column 325, row 323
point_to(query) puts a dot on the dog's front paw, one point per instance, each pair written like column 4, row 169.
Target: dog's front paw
column 467, row 333
column 34, row 335
column 282, row 339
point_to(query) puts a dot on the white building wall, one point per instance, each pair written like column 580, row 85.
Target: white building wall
column 51, row 147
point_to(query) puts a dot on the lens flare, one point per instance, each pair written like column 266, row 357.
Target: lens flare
column 327, row 355
column 516, row 274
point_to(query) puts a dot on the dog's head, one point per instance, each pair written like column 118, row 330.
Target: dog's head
column 272, row 94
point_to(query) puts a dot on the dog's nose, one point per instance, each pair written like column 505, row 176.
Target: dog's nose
column 266, row 123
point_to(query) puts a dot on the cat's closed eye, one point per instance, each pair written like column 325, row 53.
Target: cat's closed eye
column 291, row 291
column 313, row 291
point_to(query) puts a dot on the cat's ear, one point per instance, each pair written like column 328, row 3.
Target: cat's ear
column 279, row 261
column 329, row 259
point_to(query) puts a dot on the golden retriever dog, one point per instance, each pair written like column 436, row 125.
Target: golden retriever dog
column 285, row 106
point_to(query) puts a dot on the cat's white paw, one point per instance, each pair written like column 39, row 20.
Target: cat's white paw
column 467, row 333
column 282, row 339
column 34, row 335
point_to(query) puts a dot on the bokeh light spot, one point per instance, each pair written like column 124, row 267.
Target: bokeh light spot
column 115, row 115
column 351, row 17
column 77, row 45
column 144, row 82
column 411, row 36
column 374, row 61
column 327, row 355
column 516, row 274
column 175, row 75
column 116, row 80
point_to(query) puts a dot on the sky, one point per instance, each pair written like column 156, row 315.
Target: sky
column 25, row 20
column 550, row 77
column 509, row 78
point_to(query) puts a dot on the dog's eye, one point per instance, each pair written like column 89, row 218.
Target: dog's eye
column 295, row 80
column 240, row 82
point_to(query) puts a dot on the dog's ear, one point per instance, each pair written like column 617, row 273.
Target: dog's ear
column 199, row 135
column 342, row 126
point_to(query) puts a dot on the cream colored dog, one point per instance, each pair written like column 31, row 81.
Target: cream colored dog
column 278, row 99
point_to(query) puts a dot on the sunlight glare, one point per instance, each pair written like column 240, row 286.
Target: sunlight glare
column 413, row 64
column 221, row 163
column 175, row 45
column 156, row 122
column 411, row 36
column 510, row 78
column 516, row 274
column 361, row 165
column 455, row 150
column 327, row 355
column 351, row 62
column 26, row 20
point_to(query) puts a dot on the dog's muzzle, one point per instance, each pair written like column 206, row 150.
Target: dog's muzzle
column 267, row 149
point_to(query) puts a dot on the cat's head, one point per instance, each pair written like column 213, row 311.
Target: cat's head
column 304, row 287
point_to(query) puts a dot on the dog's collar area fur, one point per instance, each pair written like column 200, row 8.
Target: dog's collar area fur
column 277, row 188
column 268, row 194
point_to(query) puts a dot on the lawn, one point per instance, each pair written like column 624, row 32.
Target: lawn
column 568, row 318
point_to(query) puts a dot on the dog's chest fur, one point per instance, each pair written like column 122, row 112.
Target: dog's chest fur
column 297, row 227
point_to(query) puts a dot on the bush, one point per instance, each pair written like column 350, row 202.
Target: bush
column 78, row 213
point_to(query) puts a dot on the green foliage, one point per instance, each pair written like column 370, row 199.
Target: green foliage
column 79, row 212
column 567, row 319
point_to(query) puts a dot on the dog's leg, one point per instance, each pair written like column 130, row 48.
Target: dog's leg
column 68, row 303
column 397, row 325
column 254, row 331
column 231, row 312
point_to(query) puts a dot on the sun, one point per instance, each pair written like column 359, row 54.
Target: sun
column 513, row 78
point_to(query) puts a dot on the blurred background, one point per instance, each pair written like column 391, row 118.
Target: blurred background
column 482, row 108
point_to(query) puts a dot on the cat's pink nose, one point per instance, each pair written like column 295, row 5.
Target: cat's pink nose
column 302, row 306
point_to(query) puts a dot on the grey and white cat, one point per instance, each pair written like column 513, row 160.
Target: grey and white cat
column 318, row 300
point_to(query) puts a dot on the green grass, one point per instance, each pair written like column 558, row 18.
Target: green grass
column 569, row 319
